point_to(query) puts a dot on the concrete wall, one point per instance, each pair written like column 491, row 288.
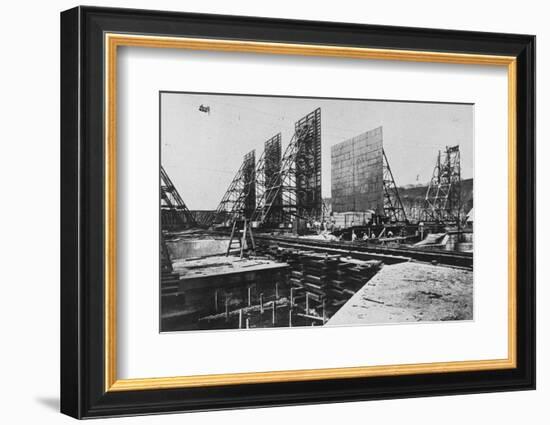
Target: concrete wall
column 356, row 173
column 190, row 248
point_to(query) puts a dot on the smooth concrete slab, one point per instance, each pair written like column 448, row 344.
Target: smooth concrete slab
column 221, row 271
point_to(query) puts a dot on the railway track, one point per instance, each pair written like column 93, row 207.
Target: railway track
column 363, row 251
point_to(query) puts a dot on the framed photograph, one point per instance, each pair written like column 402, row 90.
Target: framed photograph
column 261, row 212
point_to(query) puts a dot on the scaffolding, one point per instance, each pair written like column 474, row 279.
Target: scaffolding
column 268, row 177
column 443, row 197
column 239, row 201
column 294, row 192
column 393, row 207
column 174, row 213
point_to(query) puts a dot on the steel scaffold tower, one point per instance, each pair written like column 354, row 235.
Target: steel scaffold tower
column 174, row 212
column 268, row 176
column 309, row 203
column 443, row 197
column 393, row 207
column 266, row 172
column 295, row 191
column 239, row 201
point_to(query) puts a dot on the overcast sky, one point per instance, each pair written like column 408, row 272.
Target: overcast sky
column 202, row 152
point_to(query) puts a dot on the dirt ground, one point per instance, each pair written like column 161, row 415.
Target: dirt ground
column 410, row 292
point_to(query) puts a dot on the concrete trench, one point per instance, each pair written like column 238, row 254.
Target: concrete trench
column 279, row 287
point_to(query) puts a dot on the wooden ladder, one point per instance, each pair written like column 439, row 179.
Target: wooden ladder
column 239, row 237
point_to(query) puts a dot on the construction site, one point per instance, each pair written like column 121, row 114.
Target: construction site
column 276, row 253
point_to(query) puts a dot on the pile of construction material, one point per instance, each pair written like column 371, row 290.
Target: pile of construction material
column 330, row 279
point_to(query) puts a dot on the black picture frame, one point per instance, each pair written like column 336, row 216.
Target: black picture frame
column 83, row 392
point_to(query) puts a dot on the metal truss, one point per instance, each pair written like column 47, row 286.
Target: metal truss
column 268, row 178
column 239, row 201
column 443, row 203
column 174, row 212
column 393, row 207
column 295, row 191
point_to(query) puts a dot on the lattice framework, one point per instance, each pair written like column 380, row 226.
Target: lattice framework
column 174, row 212
column 295, row 191
column 443, row 203
column 393, row 207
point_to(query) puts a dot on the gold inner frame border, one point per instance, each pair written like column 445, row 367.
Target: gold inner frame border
column 112, row 41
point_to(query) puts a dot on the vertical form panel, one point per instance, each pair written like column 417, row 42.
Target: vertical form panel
column 308, row 166
column 357, row 173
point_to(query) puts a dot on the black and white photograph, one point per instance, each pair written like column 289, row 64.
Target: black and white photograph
column 300, row 211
